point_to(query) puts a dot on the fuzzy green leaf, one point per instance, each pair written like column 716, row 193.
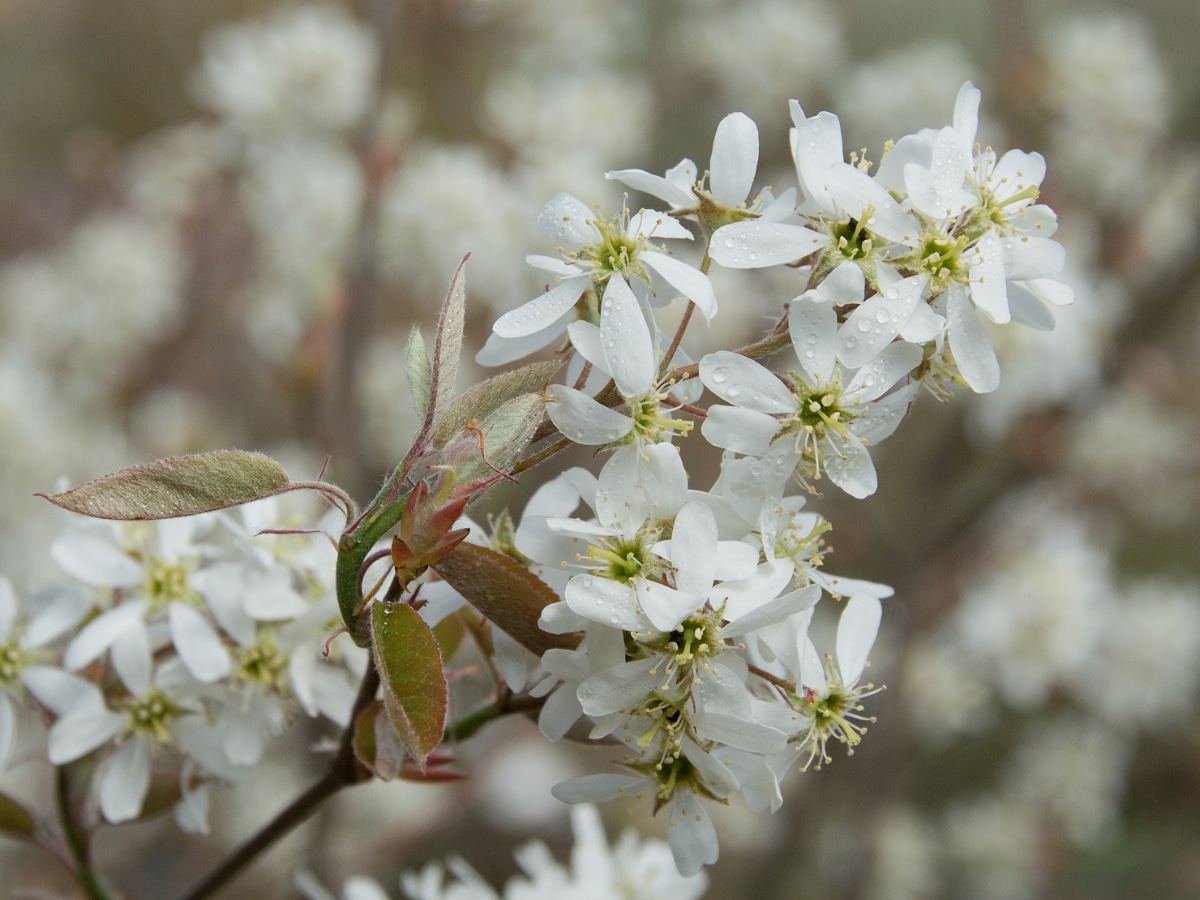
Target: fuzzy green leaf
column 410, row 667
column 177, row 486
column 505, row 592
column 495, row 444
column 484, row 399
column 420, row 375
column 447, row 348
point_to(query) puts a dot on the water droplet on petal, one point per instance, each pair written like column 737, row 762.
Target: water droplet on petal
column 720, row 374
column 882, row 315
column 864, row 325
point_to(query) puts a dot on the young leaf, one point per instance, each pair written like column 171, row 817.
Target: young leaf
column 482, row 400
column 446, row 350
column 15, row 820
column 177, row 486
column 483, row 449
column 504, row 591
column 420, row 376
column 410, row 668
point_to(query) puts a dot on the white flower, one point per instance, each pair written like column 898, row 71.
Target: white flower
column 812, row 420
column 156, row 568
column 306, row 67
column 831, row 692
column 621, row 247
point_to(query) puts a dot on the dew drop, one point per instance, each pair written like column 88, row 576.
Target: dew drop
column 729, row 242
column 882, row 315
column 720, row 374
column 864, row 325
column 810, row 353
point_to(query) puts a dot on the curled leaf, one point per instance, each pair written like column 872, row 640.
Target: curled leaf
column 177, row 486
column 506, row 592
column 415, row 695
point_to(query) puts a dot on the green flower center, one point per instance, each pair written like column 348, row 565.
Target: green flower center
column 264, row 664
column 12, row 661
column 151, row 715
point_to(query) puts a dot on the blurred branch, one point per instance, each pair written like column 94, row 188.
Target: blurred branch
column 343, row 772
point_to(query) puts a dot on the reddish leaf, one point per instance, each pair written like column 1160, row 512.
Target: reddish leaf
column 506, row 592
column 410, row 667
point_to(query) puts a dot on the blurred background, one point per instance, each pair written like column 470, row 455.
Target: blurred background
column 218, row 221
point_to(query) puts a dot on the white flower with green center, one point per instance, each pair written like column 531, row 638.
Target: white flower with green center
column 678, row 780
column 23, row 640
column 829, row 695
column 159, row 712
column 621, row 346
column 809, row 419
column 610, row 251
column 154, row 567
column 745, row 233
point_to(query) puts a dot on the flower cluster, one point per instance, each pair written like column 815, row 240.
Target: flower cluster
column 196, row 642
column 694, row 606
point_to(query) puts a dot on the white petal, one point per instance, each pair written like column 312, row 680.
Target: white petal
column 625, row 340
column 61, row 692
column 95, row 561
column 102, row 632
column 741, row 598
column 689, row 281
column 691, row 835
column 80, row 733
column 582, row 419
column 774, row 611
column 856, row 635
column 883, row 416
column 745, row 383
column 622, row 687
column 812, row 668
column 585, row 337
column 897, row 360
column 131, row 659
column 1028, row 309
column 542, row 310
column 923, row 326
column 1015, row 172
column 966, row 112
column 755, row 244
column 812, row 325
column 740, row 733
column 849, row 466
column 971, row 345
column 604, row 601
column 499, row 351
column 693, row 549
column 740, row 430
column 8, row 607
column 844, row 286
column 734, row 159
column 873, row 326
column 124, row 782
column 855, row 191
column 1031, row 257
column 201, row 650
column 568, row 219
column 816, row 145
column 553, row 265
column 595, row 788
column 655, row 186
column 66, row 609
column 650, row 223
column 665, row 607
column 270, row 596
column 988, row 290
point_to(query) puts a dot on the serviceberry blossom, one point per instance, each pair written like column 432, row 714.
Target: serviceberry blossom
column 622, row 247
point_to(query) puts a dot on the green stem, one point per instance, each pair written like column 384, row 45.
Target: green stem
column 77, row 841
column 465, row 726
column 356, row 544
